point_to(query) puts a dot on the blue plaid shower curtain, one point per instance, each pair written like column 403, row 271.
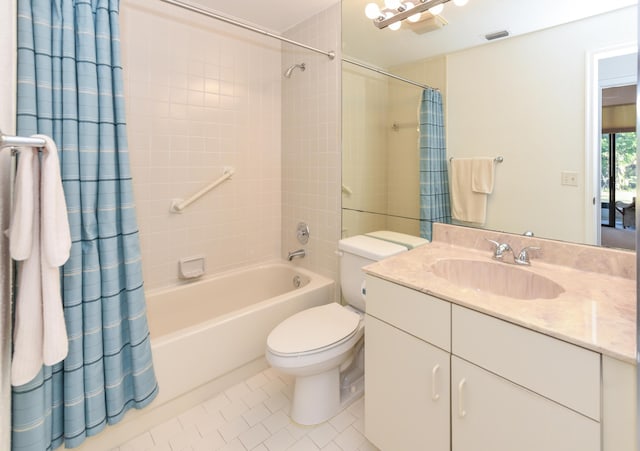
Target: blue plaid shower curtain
column 434, row 178
column 70, row 88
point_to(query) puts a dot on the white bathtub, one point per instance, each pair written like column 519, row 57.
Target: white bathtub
column 205, row 329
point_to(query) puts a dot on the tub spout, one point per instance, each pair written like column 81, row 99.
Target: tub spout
column 293, row 254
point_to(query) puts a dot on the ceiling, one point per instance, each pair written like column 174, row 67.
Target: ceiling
column 275, row 15
column 466, row 27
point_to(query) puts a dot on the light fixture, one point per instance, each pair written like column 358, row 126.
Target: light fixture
column 393, row 12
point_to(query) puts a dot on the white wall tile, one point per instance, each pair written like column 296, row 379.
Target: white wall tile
column 202, row 95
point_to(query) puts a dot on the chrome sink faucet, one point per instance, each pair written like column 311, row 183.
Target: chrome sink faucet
column 523, row 257
column 500, row 249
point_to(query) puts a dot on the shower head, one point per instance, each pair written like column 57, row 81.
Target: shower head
column 302, row 67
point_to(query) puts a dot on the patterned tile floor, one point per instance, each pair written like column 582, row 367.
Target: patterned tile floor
column 253, row 416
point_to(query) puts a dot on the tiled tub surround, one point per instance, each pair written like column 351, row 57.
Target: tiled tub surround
column 597, row 309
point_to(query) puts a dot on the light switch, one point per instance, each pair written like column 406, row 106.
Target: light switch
column 569, row 178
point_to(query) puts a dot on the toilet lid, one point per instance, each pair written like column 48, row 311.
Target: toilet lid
column 313, row 329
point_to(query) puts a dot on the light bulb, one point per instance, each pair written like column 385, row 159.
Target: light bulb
column 372, row 11
column 415, row 18
column 460, row 2
column 436, row 9
column 392, row 4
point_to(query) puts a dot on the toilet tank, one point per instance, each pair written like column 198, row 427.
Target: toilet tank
column 357, row 252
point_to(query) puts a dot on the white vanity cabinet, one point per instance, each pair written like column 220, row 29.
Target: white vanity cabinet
column 490, row 413
column 407, row 369
column 443, row 377
column 514, row 388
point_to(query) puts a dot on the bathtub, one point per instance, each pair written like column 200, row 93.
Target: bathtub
column 203, row 330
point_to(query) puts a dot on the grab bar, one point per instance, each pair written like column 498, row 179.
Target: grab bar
column 19, row 141
column 178, row 205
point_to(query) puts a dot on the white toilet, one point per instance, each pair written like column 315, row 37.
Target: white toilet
column 322, row 346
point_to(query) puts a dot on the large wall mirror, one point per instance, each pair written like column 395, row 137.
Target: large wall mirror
column 535, row 98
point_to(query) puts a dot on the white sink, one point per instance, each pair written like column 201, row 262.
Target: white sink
column 498, row 278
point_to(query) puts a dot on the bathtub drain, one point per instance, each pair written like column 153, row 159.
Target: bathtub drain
column 297, row 282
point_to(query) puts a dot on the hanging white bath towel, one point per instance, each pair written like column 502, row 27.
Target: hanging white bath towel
column 40, row 239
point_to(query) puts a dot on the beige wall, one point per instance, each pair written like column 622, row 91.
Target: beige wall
column 202, row 95
column 524, row 99
column 311, row 144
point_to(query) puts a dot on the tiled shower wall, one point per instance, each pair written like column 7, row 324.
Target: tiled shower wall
column 311, row 151
column 202, row 95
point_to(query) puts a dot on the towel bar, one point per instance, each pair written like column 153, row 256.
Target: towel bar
column 498, row 159
column 19, row 141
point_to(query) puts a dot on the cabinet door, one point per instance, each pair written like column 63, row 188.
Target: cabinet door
column 490, row 413
column 406, row 390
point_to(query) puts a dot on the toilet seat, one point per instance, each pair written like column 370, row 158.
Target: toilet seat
column 313, row 330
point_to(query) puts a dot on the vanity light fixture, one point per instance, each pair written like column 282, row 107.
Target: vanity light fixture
column 395, row 11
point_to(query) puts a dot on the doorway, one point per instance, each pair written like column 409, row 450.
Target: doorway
column 612, row 147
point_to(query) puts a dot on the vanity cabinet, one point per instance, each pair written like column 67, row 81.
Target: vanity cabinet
column 407, row 363
column 491, row 413
column 444, row 377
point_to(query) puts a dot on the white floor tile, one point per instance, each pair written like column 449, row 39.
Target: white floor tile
column 277, row 421
column 342, row 421
column 257, row 381
column 185, row 438
column 350, row 439
column 233, row 410
column 279, row 441
column 255, row 397
column 304, row 444
column 254, row 416
column 163, row 432
column 232, row 429
column 323, row 434
column 140, row 443
column 210, row 442
column 235, row 445
column 254, row 436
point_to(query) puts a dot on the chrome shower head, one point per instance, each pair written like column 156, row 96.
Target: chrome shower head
column 302, row 67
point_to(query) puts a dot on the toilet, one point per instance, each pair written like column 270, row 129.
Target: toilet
column 322, row 347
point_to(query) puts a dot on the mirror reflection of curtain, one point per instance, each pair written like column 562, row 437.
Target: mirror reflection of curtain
column 434, row 177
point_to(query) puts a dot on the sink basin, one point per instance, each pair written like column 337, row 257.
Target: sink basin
column 497, row 278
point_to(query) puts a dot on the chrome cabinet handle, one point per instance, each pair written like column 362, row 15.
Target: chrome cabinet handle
column 434, row 389
column 461, row 412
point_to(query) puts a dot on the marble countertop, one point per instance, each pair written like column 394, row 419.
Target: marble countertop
column 596, row 311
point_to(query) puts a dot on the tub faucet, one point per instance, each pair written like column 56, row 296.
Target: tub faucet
column 293, row 254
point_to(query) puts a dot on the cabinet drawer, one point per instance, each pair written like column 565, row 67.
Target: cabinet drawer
column 562, row 372
column 419, row 314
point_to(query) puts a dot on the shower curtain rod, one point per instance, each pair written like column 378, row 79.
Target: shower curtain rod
column 206, row 12
column 388, row 74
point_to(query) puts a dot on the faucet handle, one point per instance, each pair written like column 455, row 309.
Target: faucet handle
column 524, row 257
column 500, row 249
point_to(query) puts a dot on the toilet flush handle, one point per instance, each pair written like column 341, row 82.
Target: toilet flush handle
column 363, row 290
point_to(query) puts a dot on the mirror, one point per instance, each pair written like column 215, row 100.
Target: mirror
column 528, row 98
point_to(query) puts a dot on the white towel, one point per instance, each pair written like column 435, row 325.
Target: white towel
column 56, row 244
column 466, row 205
column 25, row 247
column 482, row 170
column 40, row 332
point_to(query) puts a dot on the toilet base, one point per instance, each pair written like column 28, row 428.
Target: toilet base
column 320, row 397
column 316, row 398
